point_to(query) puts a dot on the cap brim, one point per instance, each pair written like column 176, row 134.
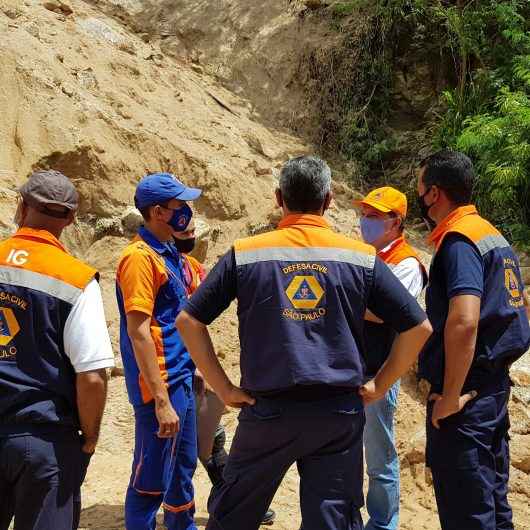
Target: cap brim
column 373, row 204
column 189, row 194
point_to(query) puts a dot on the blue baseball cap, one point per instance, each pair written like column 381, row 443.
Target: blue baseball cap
column 159, row 188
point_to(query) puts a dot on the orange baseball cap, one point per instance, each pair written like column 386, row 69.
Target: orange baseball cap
column 386, row 200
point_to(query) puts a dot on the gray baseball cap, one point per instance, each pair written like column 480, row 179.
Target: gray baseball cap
column 50, row 188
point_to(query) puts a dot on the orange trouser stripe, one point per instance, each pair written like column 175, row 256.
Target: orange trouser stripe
column 178, row 509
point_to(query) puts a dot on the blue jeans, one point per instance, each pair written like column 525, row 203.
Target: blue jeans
column 382, row 463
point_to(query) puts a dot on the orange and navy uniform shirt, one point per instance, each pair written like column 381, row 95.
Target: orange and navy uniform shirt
column 473, row 258
column 151, row 279
column 39, row 285
column 302, row 293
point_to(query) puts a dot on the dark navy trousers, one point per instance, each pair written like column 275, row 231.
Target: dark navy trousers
column 324, row 438
column 470, row 462
column 40, row 481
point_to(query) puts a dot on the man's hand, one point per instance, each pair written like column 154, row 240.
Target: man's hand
column 370, row 392
column 91, row 389
column 168, row 421
column 445, row 407
column 236, row 397
column 89, row 445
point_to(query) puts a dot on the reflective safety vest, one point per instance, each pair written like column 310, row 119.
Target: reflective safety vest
column 302, row 292
column 503, row 333
column 39, row 284
column 401, row 250
column 379, row 337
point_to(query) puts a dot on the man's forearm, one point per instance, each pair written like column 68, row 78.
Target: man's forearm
column 404, row 352
column 91, row 389
column 460, row 338
column 145, row 354
column 199, row 344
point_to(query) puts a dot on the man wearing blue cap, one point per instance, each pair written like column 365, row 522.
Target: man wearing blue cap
column 151, row 288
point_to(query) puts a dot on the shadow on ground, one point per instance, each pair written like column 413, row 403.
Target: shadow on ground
column 110, row 517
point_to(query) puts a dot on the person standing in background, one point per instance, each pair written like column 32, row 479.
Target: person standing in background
column 383, row 213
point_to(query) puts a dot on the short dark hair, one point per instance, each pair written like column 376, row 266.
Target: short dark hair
column 305, row 182
column 451, row 171
column 146, row 212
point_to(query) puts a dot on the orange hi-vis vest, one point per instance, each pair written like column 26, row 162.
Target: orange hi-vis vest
column 400, row 250
column 379, row 337
column 39, row 284
column 504, row 333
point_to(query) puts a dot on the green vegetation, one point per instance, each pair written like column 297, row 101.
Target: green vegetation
column 478, row 56
column 488, row 112
column 341, row 9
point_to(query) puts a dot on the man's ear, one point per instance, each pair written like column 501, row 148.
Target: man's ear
column 70, row 219
column 436, row 192
column 327, row 201
column 279, row 198
column 155, row 212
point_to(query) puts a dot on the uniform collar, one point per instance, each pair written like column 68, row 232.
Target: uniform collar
column 158, row 246
column 40, row 235
column 391, row 245
column 450, row 220
column 303, row 219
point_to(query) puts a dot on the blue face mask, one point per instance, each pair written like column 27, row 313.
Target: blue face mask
column 181, row 218
column 372, row 228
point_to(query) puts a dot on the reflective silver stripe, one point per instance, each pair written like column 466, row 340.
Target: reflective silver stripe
column 39, row 282
column 247, row 257
column 490, row 242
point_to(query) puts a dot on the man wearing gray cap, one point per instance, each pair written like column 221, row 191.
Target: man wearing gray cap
column 54, row 348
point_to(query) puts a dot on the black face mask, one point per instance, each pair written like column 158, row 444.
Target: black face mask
column 424, row 209
column 185, row 246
